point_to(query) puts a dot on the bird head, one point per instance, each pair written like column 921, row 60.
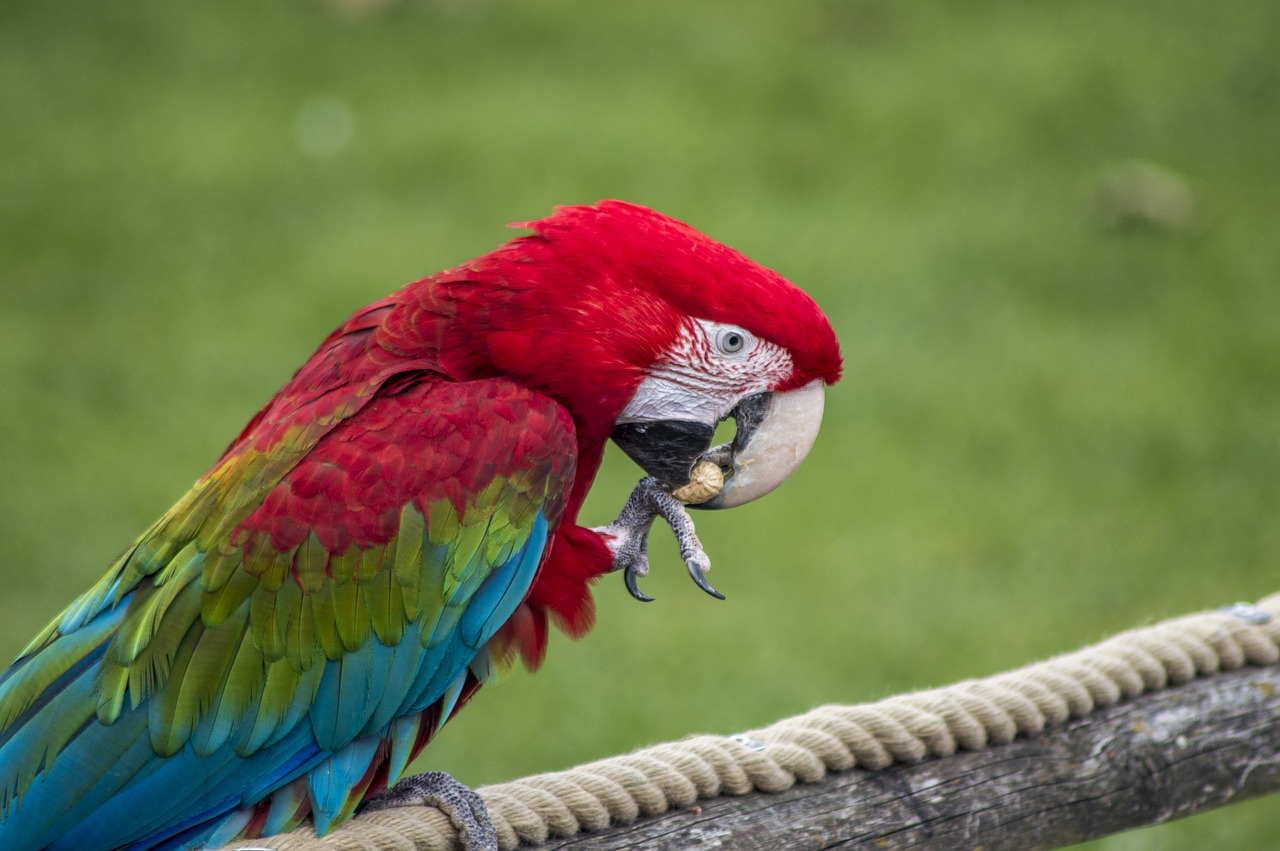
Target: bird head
column 650, row 333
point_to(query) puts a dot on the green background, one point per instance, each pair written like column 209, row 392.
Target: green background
column 1048, row 236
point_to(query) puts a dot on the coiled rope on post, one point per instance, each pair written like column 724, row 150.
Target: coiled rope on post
column 969, row 715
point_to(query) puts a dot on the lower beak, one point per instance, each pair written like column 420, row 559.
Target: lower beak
column 774, row 434
column 666, row 450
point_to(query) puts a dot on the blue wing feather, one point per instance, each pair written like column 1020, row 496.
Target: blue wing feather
column 90, row 785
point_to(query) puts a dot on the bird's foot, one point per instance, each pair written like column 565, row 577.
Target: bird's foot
column 461, row 804
column 628, row 536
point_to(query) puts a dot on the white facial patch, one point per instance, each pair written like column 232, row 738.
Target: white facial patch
column 709, row 368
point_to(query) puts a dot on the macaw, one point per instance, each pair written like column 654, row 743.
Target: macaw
column 398, row 523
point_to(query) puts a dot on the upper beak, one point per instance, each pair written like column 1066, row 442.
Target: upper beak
column 774, row 434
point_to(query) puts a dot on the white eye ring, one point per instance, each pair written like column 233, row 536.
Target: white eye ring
column 732, row 341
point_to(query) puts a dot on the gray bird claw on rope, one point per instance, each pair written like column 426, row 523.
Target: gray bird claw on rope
column 465, row 809
column 628, row 537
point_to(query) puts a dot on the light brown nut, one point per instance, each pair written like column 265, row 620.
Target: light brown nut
column 705, row 482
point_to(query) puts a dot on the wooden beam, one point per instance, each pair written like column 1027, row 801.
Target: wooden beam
column 1161, row 756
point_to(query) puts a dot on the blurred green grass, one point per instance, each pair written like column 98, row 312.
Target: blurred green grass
column 1051, row 428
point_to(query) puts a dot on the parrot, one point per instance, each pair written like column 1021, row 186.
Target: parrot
column 398, row 525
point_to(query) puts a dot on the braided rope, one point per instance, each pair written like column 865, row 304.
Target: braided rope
column 907, row 728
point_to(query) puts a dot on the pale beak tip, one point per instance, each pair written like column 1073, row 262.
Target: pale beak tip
column 776, row 448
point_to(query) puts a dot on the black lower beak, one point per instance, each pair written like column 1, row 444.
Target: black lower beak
column 665, row 450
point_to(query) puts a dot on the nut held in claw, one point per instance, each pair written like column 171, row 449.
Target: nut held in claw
column 705, row 483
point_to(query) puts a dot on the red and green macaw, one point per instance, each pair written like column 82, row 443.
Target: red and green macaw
column 396, row 523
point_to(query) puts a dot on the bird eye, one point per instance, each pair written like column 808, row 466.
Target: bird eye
column 732, row 340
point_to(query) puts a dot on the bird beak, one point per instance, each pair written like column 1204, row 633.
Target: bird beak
column 774, row 434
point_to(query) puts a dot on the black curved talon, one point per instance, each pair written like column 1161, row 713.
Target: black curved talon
column 628, row 536
column 629, row 578
column 700, row 579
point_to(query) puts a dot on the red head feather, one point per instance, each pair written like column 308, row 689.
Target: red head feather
column 653, row 255
column 583, row 306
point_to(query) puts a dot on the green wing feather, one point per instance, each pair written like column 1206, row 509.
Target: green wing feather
column 282, row 588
